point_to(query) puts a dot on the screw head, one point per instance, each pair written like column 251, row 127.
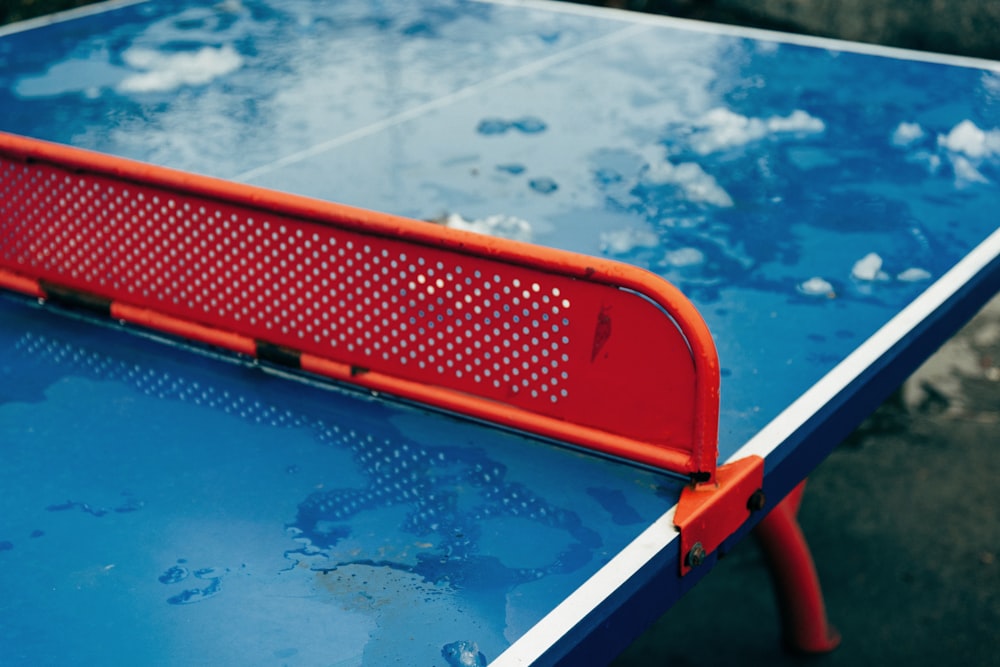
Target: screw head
column 696, row 556
column 757, row 501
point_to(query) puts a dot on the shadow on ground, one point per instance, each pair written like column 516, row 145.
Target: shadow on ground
column 904, row 523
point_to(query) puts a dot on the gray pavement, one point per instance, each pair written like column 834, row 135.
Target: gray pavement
column 904, row 523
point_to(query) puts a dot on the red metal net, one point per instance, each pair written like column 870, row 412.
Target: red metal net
column 567, row 346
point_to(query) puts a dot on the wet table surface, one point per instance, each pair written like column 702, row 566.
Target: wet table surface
column 826, row 206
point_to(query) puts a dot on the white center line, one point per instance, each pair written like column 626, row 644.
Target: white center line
column 441, row 102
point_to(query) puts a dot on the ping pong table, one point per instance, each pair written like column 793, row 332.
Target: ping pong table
column 828, row 208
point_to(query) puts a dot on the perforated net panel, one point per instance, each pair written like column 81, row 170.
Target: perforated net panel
column 456, row 315
column 374, row 301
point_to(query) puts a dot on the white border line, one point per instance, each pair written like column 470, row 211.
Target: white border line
column 866, row 354
column 828, row 43
column 639, row 23
column 67, row 15
column 571, row 611
column 441, row 102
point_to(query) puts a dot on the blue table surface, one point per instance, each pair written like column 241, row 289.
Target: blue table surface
column 800, row 194
column 311, row 526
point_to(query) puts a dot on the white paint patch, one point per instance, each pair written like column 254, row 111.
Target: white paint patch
column 969, row 140
column 869, row 268
column 721, row 129
column 169, row 71
column 816, row 286
column 684, row 257
column 692, row 180
column 966, row 172
column 906, row 134
column 503, row 226
column 623, row 241
column 932, row 161
column 913, row 275
column 965, row 147
column 798, row 121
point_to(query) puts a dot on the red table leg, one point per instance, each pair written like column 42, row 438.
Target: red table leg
column 796, row 583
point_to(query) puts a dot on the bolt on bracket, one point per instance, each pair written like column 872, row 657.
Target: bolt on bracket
column 709, row 513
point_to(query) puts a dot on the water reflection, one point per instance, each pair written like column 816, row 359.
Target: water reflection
column 394, row 517
column 448, row 495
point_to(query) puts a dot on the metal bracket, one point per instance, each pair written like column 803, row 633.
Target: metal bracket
column 709, row 513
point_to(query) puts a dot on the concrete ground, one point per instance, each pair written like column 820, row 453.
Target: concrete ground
column 904, row 523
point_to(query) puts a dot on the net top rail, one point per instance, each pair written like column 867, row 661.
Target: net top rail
column 576, row 348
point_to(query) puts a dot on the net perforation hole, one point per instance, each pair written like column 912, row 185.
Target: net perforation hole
column 442, row 313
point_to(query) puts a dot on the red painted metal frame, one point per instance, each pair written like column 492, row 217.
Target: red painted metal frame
column 708, row 513
column 800, row 598
column 575, row 348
